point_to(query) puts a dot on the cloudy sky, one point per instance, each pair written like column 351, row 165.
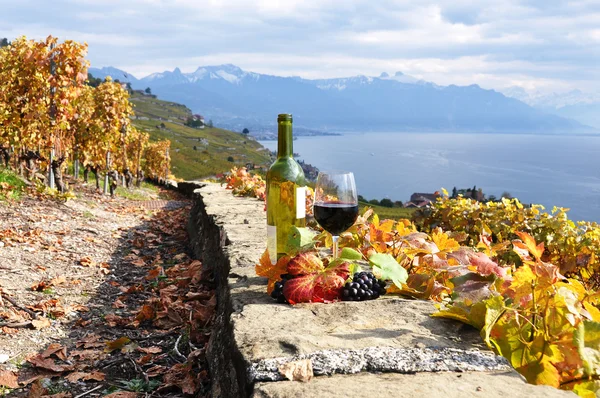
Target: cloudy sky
column 546, row 45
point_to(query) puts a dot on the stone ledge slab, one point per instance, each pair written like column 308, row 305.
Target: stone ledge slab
column 253, row 335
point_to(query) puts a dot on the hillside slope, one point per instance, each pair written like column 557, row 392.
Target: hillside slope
column 165, row 120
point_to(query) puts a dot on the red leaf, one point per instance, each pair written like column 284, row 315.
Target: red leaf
column 313, row 281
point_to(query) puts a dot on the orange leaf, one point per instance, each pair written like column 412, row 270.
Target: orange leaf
column 87, row 262
column 146, row 313
column 155, row 273
column 273, row 272
column 536, row 250
column 116, row 344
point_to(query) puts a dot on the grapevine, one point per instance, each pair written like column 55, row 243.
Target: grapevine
column 48, row 116
column 545, row 324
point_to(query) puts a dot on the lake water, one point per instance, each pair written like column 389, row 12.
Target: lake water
column 547, row 169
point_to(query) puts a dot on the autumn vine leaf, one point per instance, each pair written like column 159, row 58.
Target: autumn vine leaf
column 271, row 271
column 529, row 244
column 444, row 243
column 313, row 281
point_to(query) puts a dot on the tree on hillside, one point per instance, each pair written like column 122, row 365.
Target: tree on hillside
column 454, row 192
column 148, row 90
column 506, row 195
column 385, row 202
column 210, row 124
column 245, row 131
column 4, row 42
column 93, row 81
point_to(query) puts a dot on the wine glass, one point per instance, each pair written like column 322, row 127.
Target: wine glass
column 336, row 203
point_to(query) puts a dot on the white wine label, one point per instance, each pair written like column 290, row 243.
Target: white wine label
column 300, row 202
column 272, row 243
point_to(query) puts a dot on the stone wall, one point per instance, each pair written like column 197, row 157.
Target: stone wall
column 388, row 347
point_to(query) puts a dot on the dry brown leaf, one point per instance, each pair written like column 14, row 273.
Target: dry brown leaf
column 59, row 350
column 59, row 395
column 139, row 263
column 37, row 390
column 146, row 313
column 87, row 262
column 8, row 379
column 297, row 370
column 59, row 280
column 47, row 363
column 156, row 370
column 76, row 376
column 40, row 286
column 116, row 344
column 118, row 304
column 91, row 341
column 88, row 354
column 122, row 394
column 145, row 359
column 41, row 323
column 113, row 320
column 155, row 273
column 182, row 376
column 150, row 350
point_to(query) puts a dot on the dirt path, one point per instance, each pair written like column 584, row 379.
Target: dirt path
column 100, row 297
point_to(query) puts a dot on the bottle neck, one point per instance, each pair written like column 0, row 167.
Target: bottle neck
column 285, row 146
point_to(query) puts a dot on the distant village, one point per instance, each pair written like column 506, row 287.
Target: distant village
column 420, row 199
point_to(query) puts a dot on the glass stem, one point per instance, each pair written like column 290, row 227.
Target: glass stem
column 335, row 245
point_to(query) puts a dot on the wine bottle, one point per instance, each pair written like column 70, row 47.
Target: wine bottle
column 286, row 192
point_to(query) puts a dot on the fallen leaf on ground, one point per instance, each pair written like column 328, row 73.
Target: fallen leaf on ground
column 41, row 323
column 150, row 350
column 37, row 390
column 76, row 376
column 297, row 370
column 182, row 376
column 47, row 363
column 118, row 304
column 87, row 262
column 122, row 394
column 59, row 350
column 8, row 379
column 117, row 344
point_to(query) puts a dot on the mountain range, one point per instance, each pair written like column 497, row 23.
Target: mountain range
column 234, row 98
column 574, row 104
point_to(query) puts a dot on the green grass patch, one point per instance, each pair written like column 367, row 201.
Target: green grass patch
column 393, row 213
column 11, row 186
column 195, row 153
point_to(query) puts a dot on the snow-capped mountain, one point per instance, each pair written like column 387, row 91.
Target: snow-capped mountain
column 574, row 104
column 229, row 73
column 232, row 97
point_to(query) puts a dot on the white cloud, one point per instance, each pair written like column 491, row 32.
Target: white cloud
column 530, row 43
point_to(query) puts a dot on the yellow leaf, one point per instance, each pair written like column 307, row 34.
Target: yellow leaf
column 444, row 243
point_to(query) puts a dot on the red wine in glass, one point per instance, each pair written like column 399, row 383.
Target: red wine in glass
column 336, row 203
column 335, row 217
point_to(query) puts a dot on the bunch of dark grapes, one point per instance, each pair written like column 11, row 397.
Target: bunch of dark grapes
column 364, row 286
column 277, row 292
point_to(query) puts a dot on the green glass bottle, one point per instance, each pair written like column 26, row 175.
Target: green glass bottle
column 286, row 192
